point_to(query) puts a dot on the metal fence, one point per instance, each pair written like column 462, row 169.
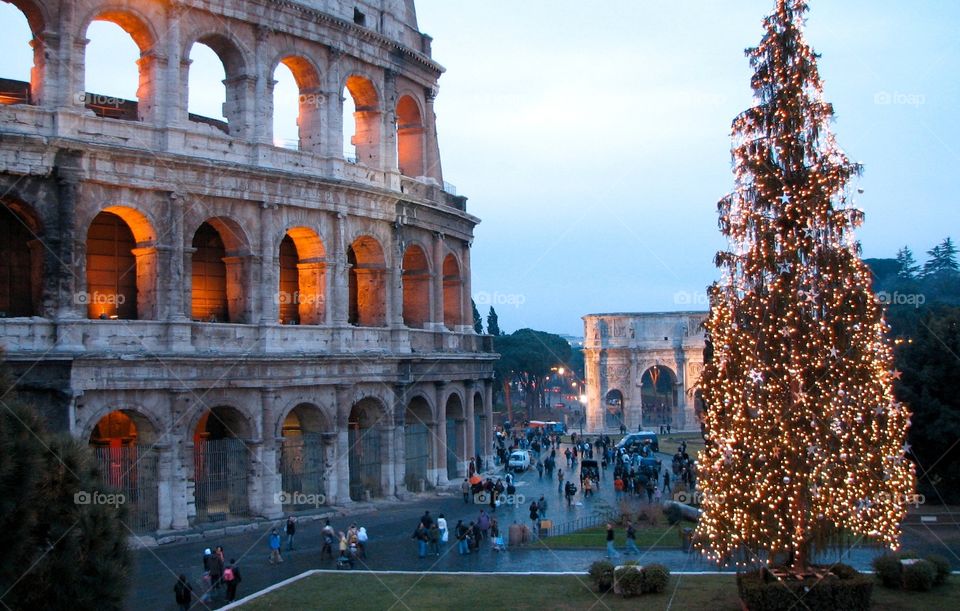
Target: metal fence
column 132, row 471
column 301, row 471
column 220, row 474
column 417, row 450
column 577, row 524
column 364, row 462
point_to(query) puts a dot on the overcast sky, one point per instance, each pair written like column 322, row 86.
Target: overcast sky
column 592, row 139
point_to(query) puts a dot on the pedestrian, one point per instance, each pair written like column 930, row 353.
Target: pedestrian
column 472, row 468
column 232, row 577
column 666, row 482
column 183, row 592
column 461, row 534
column 274, row 542
column 540, row 469
column 328, row 536
column 569, row 491
column 434, row 539
column 344, row 554
column 611, row 552
column 587, row 487
column 534, row 516
column 465, row 489
column 422, row 537
column 559, row 480
column 442, row 525
column 362, row 539
column 542, row 506
column 632, row 539
column 473, row 536
column 216, row 568
column 483, row 521
column 291, row 531
column 426, row 519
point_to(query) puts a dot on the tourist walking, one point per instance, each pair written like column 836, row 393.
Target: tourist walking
column 183, row 593
column 328, row 536
column 632, row 539
column 461, row 534
column 434, row 533
column 465, row 489
column 291, row 531
column 274, row 542
column 422, row 537
column 216, row 568
column 611, row 552
column 232, row 577
column 559, row 480
column 442, row 525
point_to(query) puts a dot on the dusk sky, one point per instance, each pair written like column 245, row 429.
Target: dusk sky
column 593, row 139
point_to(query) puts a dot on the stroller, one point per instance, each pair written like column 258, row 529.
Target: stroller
column 345, row 559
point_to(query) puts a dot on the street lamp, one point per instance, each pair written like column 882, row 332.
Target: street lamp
column 583, row 411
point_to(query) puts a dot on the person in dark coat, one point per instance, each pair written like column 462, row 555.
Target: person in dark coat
column 232, row 577
column 183, row 592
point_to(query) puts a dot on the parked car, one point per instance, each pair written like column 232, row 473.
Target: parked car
column 633, row 441
column 519, row 461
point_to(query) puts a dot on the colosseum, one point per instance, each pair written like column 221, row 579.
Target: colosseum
column 241, row 327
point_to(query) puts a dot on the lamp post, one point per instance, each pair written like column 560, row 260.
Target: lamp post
column 583, row 411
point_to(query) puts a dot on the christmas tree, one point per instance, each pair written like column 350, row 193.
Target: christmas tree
column 805, row 440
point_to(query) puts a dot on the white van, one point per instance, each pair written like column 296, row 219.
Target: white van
column 519, row 461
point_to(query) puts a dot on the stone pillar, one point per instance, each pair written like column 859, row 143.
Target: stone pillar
column 399, row 443
column 389, row 128
column 436, row 317
column 240, row 105
column 268, row 288
column 69, row 268
column 171, row 107
column 333, row 145
column 167, row 486
column 310, row 122
column 342, row 463
column 432, row 152
column 388, row 457
column 466, row 301
column 330, row 461
column 147, row 270
column 261, row 127
column 240, row 287
column 470, row 447
column 267, row 469
column 45, row 47
column 594, row 406
column 339, row 297
column 312, row 275
column 182, row 475
column 152, row 64
column 489, row 423
column 440, row 436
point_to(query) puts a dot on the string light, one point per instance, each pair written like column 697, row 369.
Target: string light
column 805, row 440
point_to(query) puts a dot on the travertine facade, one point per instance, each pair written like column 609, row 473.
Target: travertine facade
column 241, row 329
column 647, row 363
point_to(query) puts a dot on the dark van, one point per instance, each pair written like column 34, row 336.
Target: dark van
column 635, row 440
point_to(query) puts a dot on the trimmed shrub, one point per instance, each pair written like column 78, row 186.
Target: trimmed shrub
column 942, row 566
column 887, row 567
column 655, row 578
column 854, row 594
column 629, row 581
column 919, row 575
column 762, row 591
column 844, row 571
column 601, row 572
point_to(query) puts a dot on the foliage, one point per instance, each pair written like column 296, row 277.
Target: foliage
column 762, row 591
column 655, row 578
column 493, row 323
column 887, row 567
column 919, row 576
column 601, row 572
column 526, row 357
column 628, row 580
column 477, row 319
column 55, row 553
column 942, row 566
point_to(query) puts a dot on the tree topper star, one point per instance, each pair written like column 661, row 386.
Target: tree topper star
column 756, row 376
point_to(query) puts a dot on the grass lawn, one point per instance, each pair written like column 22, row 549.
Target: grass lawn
column 647, row 536
column 362, row 590
column 670, row 443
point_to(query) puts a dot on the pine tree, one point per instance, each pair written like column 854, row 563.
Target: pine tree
column 942, row 263
column 477, row 319
column 909, row 270
column 493, row 324
column 805, row 439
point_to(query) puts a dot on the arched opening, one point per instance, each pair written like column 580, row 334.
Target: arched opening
column 416, row 287
column 122, row 443
column 613, row 410
column 21, row 262
column 18, row 80
column 365, row 459
column 302, row 460
column 111, row 269
column 118, row 78
column 361, row 122
column 221, row 465
column 297, row 103
column 209, row 276
column 206, row 100
column 658, row 392
column 367, row 283
column 410, row 137
column 303, row 278
column 456, row 437
column 452, row 293
column 417, row 444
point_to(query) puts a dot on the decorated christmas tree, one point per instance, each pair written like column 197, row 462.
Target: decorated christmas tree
column 805, row 440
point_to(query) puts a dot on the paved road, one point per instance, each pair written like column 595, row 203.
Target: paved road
column 390, row 525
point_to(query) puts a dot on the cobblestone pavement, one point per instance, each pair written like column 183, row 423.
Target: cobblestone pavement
column 390, row 525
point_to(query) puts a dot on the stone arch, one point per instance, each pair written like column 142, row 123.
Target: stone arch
column 305, row 432
column 418, row 423
column 454, row 413
column 416, row 286
column 219, row 269
column 367, row 285
column 234, row 57
column 613, row 409
column 310, row 102
column 28, row 92
column 142, row 31
column 302, row 277
column 452, row 292
column 222, row 463
column 658, row 395
column 121, row 265
column 122, row 442
column 411, row 146
column 367, row 458
column 367, row 119
column 21, row 259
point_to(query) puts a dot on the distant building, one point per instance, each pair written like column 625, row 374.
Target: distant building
column 642, row 370
column 238, row 328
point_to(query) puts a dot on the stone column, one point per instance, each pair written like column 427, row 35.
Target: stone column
column 440, row 436
column 241, row 281
column 436, row 317
column 432, row 152
column 388, row 457
column 240, row 104
column 339, row 297
column 147, row 262
column 467, row 302
column 470, row 447
column 152, row 64
column 171, row 111
column 182, row 476
column 267, row 468
column 312, row 275
column 70, row 264
column 488, row 415
column 342, row 464
column 399, row 443
column 269, row 286
column 594, row 406
column 330, row 461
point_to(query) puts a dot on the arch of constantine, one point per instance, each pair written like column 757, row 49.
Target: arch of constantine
column 642, row 369
column 239, row 327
